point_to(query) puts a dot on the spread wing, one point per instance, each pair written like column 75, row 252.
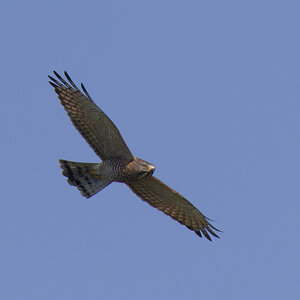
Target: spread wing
column 162, row 197
column 92, row 123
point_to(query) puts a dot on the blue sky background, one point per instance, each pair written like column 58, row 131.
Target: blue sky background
column 208, row 91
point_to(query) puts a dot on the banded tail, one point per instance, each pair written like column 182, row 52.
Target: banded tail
column 85, row 176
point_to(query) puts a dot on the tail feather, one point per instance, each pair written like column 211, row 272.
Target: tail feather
column 85, row 176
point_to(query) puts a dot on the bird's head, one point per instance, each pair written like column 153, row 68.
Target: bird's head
column 145, row 169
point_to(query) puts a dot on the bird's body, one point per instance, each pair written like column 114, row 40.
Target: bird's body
column 120, row 170
column 118, row 163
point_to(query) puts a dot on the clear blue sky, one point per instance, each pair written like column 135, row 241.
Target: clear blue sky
column 208, row 91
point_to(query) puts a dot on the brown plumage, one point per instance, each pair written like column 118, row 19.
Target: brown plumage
column 118, row 164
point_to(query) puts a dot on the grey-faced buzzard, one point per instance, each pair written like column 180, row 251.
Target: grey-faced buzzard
column 118, row 163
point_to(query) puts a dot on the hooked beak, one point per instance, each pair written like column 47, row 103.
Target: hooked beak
column 151, row 169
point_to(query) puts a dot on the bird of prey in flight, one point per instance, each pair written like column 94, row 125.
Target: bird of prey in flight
column 118, row 163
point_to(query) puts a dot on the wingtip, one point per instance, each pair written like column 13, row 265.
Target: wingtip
column 66, row 74
column 205, row 233
column 53, row 84
column 213, row 227
column 85, row 91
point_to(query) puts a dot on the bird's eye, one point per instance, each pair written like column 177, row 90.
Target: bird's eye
column 145, row 167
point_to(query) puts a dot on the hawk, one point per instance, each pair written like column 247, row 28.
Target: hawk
column 118, row 163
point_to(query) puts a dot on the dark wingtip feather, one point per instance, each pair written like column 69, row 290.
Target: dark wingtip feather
column 70, row 80
column 214, row 227
column 53, row 84
column 55, row 81
column 56, row 74
column 85, row 91
column 212, row 233
column 68, row 76
column 204, row 231
column 206, row 234
column 61, row 79
column 198, row 233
